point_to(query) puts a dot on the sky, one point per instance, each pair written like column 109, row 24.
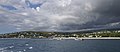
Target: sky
column 58, row 15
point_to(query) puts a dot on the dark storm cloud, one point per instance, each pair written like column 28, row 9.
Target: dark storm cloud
column 108, row 11
column 109, row 7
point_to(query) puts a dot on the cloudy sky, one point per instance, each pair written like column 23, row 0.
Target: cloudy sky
column 58, row 15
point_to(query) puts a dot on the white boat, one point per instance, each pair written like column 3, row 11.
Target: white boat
column 76, row 39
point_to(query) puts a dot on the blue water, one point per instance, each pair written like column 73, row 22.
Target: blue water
column 46, row 45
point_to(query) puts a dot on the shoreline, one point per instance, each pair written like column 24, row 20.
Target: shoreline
column 92, row 38
column 104, row 38
column 82, row 38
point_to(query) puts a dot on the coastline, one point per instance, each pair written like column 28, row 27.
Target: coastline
column 92, row 38
column 74, row 38
column 103, row 38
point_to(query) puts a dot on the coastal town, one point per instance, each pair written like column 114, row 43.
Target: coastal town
column 35, row 34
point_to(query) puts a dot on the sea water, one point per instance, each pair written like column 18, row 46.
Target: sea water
column 46, row 45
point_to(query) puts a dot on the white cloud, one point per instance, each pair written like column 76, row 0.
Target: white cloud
column 64, row 3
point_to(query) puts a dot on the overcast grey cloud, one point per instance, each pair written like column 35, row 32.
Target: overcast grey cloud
column 60, row 15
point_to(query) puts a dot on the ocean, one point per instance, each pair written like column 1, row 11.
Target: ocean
column 46, row 45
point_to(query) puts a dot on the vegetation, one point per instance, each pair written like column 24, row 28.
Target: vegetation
column 34, row 34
